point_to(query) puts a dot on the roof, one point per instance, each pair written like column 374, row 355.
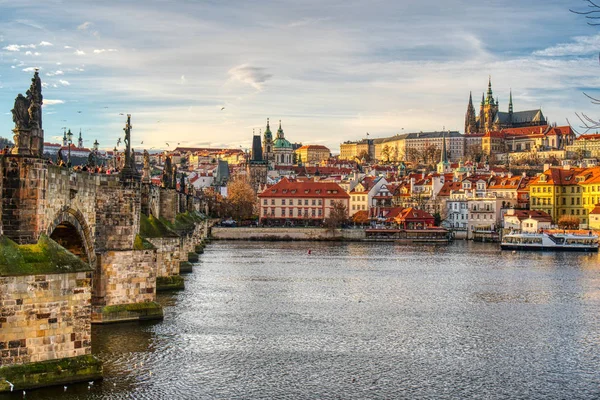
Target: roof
column 520, row 117
column 287, row 188
column 282, row 143
column 557, row 176
column 313, row 147
column 449, row 186
column 596, row 209
column 533, row 214
column 413, row 214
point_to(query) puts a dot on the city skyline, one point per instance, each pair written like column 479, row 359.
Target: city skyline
column 207, row 74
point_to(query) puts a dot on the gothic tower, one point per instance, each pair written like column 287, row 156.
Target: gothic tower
column 470, row 119
column 80, row 140
column 490, row 109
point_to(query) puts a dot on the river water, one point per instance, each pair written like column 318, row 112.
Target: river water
column 265, row 320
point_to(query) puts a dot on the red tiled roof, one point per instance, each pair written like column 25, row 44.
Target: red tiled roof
column 287, row 188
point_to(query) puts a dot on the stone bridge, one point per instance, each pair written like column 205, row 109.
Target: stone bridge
column 119, row 238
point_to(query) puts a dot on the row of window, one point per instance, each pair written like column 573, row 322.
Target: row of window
column 299, row 212
column 545, row 189
column 358, row 207
column 299, row 202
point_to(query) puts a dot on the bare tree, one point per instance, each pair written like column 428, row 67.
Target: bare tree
column 592, row 14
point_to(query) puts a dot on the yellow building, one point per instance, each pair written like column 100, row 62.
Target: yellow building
column 589, row 180
column 557, row 192
column 313, row 154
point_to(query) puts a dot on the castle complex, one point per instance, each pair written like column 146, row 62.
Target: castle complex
column 491, row 119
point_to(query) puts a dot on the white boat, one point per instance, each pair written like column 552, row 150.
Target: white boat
column 554, row 242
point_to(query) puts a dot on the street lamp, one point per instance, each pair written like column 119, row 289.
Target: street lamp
column 69, row 143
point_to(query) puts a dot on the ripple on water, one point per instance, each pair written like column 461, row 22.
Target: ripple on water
column 361, row 320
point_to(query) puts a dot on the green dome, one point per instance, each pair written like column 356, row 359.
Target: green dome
column 282, row 143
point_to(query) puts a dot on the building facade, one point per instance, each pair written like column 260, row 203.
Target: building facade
column 300, row 202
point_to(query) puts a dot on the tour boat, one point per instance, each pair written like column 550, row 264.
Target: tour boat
column 546, row 241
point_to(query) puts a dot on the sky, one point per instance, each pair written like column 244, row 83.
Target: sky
column 209, row 73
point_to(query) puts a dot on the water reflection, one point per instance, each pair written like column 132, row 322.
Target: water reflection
column 361, row 320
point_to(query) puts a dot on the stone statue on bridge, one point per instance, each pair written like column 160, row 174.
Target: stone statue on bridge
column 146, row 170
column 129, row 170
column 27, row 116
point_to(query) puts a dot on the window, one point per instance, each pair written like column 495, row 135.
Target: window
column 313, row 212
column 305, row 202
column 320, row 202
column 331, row 202
column 265, row 202
column 283, row 202
column 283, row 212
column 320, row 212
column 299, row 202
column 314, row 202
column 264, row 211
column 272, row 202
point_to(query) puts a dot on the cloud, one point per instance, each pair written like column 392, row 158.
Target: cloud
column 79, row 53
column 17, row 47
column 68, row 47
column 182, row 80
column 253, row 76
column 29, row 53
column 30, row 69
column 100, row 51
column 43, row 43
column 84, row 26
column 64, row 83
column 581, row 45
column 58, row 72
column 48, row 102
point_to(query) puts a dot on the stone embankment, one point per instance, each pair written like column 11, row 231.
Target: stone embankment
column 284, row 234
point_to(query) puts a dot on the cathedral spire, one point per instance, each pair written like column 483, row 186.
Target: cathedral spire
column 490, row 94
column 510, row 103
column 470, row 118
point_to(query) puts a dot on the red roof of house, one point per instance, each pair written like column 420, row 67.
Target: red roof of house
column 414, row 214
column 596, row 209
column 287, row 188
column 534, row 214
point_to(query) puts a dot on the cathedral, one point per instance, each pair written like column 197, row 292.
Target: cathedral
column 491, row 119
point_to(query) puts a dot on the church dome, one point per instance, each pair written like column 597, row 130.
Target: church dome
column 282, row 143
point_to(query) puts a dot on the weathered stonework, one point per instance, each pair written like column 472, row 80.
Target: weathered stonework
column 123, row 277
column 44, row 317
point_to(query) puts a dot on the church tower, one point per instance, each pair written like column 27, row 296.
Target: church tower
column 470, row 119
column 443, row 166
column 80, row 140
column 268, row 144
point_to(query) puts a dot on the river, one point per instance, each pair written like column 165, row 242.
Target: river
column 268, row 320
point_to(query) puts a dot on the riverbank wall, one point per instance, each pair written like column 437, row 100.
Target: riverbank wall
column 287, row 234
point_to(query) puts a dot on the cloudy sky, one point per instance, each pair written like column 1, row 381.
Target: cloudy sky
column 331, row 70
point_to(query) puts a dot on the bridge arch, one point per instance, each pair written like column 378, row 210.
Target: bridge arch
column 70, row 229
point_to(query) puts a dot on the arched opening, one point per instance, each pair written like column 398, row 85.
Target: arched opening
column 68, row 237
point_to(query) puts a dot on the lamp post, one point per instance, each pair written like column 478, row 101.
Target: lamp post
column 69, row 143
column 96, row 144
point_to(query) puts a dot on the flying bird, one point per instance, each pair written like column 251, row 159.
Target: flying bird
column 118, row 142
column 78, row 112
column 121, row 114
column 142, row 142
column 168, row 145
column 105, row 107
column 158, row 122
column 222, row 108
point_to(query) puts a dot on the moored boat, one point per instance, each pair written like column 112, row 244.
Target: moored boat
column 551, row 242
